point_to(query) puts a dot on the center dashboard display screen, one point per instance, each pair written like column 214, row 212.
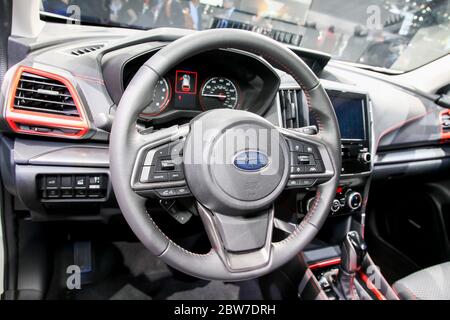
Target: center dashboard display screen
column 351, row 116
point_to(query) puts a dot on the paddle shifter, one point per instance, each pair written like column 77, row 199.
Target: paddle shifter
column 353, row 252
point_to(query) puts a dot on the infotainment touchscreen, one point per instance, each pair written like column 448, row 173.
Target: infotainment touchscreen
column 350, row 110
column 351, row 116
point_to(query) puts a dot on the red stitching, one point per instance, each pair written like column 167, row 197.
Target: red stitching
column 176, row 245
column 401, row 125
column 353, row 287
column 87, row 78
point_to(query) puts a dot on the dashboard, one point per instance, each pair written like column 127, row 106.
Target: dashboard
column 386, row 129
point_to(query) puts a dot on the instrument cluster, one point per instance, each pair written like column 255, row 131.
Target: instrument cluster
column 212, row 80
column 184, row 92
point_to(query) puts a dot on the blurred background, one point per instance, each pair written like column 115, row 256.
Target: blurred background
column 394, row 34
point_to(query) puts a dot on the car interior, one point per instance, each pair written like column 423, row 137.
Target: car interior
column 230, row 150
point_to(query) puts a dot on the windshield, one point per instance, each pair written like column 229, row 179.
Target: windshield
column 394, row 34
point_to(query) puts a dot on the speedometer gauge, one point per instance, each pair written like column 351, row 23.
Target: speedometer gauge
column 161, row 98
column 218, row 93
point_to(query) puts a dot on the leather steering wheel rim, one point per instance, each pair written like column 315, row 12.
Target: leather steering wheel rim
column 125, row 143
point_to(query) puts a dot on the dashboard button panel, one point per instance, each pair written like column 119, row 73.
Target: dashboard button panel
column 67, row 186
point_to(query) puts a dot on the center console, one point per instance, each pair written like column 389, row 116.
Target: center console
column 354, row 118
column 344, row 272
column 336, row 265
column 342, row 268
column 353, row 113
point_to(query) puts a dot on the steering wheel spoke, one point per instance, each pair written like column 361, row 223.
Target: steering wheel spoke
column 243, row 243
column 287, row 227
column 310, row 163
column 158, row 170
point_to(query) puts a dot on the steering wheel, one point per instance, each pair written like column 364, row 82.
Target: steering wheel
column 234, row 163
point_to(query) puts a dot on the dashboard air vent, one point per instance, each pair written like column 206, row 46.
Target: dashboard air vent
column 46, row 104
column 445, row 121
column 291, row 107
column 36, row 93
column 85, row 50
column 445, row 125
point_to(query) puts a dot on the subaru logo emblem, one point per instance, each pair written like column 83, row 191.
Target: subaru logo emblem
column 251, row 161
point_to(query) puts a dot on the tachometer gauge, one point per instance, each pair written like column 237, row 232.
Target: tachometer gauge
column 161, row 98
column 218, row 93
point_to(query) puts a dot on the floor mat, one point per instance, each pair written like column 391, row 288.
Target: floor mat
column 141, row 276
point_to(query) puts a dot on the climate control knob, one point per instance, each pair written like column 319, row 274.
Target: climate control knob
column 365, row 157
column 335, row 206
column 354, row 200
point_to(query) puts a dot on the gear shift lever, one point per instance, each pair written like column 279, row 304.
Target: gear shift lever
column 353, row 252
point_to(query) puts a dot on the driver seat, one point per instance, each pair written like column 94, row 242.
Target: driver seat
column 432, row 283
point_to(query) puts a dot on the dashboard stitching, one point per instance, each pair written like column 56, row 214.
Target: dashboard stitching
column 400, row 125
column 86, row 78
